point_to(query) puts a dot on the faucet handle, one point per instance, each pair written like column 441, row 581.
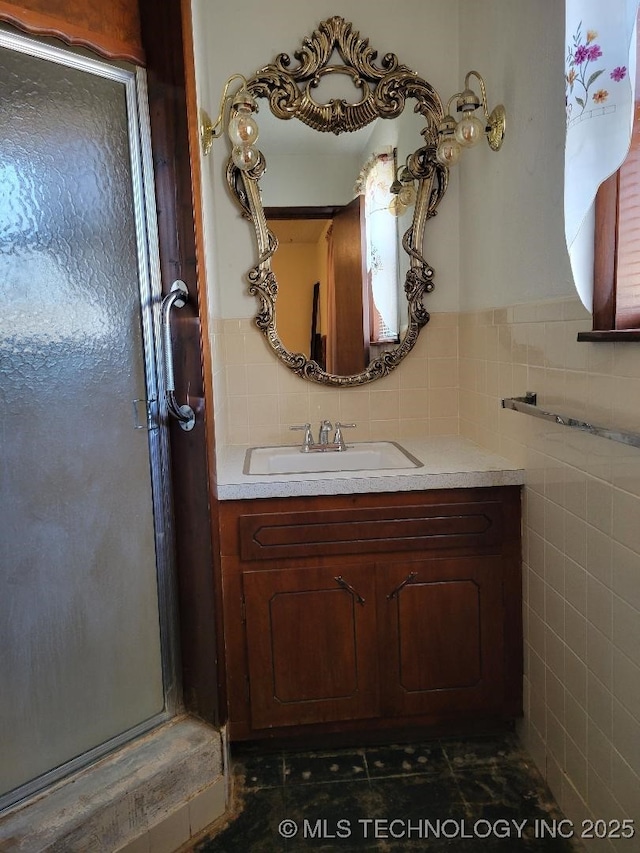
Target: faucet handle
column 338, row 439
column 307, row 441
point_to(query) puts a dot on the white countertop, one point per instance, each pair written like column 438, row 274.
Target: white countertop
column 449, row 462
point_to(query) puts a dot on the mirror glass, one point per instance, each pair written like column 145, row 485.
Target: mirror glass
column 339, row 201
column 310, row 178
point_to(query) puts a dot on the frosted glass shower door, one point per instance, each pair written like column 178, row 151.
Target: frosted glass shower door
column 81, row 661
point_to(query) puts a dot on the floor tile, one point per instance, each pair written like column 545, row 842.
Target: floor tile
column 314, row 767
column 481, row 751
column 471, row 795
column 332, row 815
column 500, row 785
column 420, row 797
column 405, row 760
column 260, row 770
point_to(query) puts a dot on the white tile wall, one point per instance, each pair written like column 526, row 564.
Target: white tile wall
column 581, row 544
column 258, row 399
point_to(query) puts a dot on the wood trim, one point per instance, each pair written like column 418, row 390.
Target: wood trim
column 606, row 316
column 617, row 335
column 111, row 28
column 605, row 252
column 475, row 527
column 346, row 733
column 326, row 212
column 193, row 124
column 394, row 505
column 191, row 452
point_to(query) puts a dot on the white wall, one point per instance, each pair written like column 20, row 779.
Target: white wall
column 511, row 201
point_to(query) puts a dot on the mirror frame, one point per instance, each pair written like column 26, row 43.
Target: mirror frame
column 385, row 89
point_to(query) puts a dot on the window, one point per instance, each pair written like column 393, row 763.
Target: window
column 616, row 286
column 381, row 236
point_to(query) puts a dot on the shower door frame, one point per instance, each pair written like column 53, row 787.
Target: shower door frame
column 134, row 80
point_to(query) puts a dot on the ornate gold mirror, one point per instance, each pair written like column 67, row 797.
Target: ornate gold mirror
column 340, row 278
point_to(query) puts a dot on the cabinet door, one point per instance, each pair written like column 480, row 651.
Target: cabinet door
column 311, row 645
column 442, row 636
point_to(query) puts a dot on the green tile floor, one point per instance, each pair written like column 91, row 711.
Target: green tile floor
column 478, row 795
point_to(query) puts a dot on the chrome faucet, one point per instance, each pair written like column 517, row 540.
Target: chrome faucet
column 323, row 435
column 323, row 443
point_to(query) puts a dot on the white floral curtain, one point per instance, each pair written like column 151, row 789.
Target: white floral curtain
column 600, row 82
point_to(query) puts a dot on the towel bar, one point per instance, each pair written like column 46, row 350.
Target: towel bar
column 529, row 406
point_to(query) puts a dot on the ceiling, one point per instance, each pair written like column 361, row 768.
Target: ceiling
column 298, row 230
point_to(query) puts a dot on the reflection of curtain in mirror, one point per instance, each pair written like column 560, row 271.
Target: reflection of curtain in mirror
column 382, row 248
column 331, row 306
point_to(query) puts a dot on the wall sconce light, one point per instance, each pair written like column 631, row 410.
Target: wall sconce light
column 403, row 191
column 242, row 128
column 468, row 130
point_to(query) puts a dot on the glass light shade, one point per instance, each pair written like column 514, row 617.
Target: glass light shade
column 469, row 130
column 396, row 207
column 407, row 195
column 448, row 151
column 245, row 157
column 243, row 129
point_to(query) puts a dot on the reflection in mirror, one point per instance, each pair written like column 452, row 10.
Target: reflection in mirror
column 300, row 267
column 339, row 266
column 339, row 202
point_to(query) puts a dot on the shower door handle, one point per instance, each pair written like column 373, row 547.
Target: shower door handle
column 177, row 297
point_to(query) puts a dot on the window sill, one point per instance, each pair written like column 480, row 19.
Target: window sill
column 612, row 335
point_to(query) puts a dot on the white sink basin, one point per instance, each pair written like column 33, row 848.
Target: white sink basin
column 362, row 456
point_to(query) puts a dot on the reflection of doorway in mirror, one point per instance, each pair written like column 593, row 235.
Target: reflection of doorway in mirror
column 325, row 245
column 331, row 252
column 299, row 264
column 351, row 252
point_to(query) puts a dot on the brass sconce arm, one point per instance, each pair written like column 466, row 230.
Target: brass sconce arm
column 241, row 127
column 455, row 135
column 495, row 120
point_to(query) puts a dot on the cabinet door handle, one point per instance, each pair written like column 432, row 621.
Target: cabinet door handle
column 409, row 579
column 345, row 585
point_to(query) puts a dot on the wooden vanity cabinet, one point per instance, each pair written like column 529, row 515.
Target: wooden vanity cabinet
column 372, row 611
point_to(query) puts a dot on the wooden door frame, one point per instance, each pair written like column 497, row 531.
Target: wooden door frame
column 167, row 41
